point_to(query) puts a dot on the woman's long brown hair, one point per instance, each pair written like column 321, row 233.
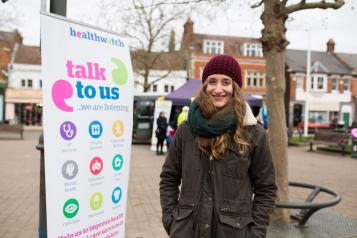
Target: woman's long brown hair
column 216, row 146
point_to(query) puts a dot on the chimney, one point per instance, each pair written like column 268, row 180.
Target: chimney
column 172, row 41
column 188, row 27
column 330, row 46
column 187, row 33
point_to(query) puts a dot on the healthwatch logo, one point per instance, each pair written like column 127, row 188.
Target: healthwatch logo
column 93, row 36
column 83, row 75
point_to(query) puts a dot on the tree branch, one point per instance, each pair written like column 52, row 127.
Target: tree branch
column 284, row 2
column 302, row 5
column 164, row 76
column 258, row 4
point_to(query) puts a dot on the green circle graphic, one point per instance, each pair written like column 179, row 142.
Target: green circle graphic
column 117, row 162
column 96, row 201
column 70, row 208
column 120, row 73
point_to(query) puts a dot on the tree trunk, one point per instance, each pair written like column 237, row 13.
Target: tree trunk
column 277, row 129
column 274, row 46
column 147, row 85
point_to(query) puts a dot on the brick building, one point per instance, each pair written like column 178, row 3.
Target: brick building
column 197, row 49
column 24, row 90
column 7, row 43
column 332, row 87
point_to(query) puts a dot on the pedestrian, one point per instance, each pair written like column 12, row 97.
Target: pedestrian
column 161, row 132
column 263, row 114
column 220, row 159
column 170, row 134
column 176, row 115
column 183, row 115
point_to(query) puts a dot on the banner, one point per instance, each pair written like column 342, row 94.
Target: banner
column 88, row 97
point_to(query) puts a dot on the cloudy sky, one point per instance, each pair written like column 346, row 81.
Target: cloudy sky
column 340, row 25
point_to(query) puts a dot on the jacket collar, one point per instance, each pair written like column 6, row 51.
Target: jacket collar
column 249, row 118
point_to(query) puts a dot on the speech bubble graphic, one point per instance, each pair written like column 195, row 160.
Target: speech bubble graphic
column 62, row 90
column 120, row 73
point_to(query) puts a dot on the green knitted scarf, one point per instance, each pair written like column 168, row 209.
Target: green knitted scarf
column 224, row 121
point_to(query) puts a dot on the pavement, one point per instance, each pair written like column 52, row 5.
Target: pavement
column 19, row 187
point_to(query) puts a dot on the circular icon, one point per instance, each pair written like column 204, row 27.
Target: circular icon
column 70, row 208
column 116, row 195
column 117, row 162
column 69, row 169
column 96, row 201
column 118, row 128
column 96, row 165
column 95, row 129
column 68, row 130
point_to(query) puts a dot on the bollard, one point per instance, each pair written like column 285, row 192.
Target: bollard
column 42, row 227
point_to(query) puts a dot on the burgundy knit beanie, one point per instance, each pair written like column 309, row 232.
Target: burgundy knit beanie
column 223, row 64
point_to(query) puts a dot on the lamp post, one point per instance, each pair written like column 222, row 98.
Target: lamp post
column 58, row 7
column 308, row 64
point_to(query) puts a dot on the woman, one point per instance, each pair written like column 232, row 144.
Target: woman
column 161, row 132
column 220, row 157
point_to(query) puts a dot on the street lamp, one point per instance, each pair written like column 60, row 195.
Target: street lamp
column 308, row 64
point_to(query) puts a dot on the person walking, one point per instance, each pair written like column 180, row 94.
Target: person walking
column 220, row 159
column 183, row 115
column 161, row 132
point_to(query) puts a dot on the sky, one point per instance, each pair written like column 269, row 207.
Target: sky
column 240, row 20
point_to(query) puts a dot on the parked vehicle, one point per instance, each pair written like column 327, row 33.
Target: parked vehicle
column 143, row 118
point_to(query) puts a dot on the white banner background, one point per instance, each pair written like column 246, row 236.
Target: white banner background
column 88, row 98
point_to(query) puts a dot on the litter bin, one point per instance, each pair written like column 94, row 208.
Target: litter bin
column 42, row 227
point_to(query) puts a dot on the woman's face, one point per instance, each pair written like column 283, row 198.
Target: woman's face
column 220, row 89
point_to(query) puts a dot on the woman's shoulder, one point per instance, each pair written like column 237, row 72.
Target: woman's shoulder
column 255, row 132
column 184, row 130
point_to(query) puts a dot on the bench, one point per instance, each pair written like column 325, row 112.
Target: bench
column 331, row 138
column 307, row 208
column 18, row 128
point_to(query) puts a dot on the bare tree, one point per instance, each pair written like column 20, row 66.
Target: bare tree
column 147, row 24
column 9, row 18
column 274, row 16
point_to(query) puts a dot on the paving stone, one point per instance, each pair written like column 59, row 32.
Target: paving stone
column 19, row 186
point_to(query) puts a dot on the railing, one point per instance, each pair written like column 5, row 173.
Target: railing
column 308, row 208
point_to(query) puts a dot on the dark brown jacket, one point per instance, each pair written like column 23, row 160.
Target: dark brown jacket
column 225, row 187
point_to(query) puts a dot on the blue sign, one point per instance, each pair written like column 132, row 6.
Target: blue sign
column 95, row 129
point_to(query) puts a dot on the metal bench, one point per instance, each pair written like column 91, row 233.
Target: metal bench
column 307, row 208
column 331, row 138
column 18, row 128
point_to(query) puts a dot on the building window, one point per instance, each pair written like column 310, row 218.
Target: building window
column 23, row 83
column 299, row 82
column 346, row 85
column 40, row 83
column 255, row 79
column 318, row 116
column 166, row 88
column 318, row 83
column 213, row 47
column 154, row 88
column 334, row 85
column 29, row 83
column 252, row 49
column 172, row 88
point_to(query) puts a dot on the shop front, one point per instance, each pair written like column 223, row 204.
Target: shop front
column 23, row 106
